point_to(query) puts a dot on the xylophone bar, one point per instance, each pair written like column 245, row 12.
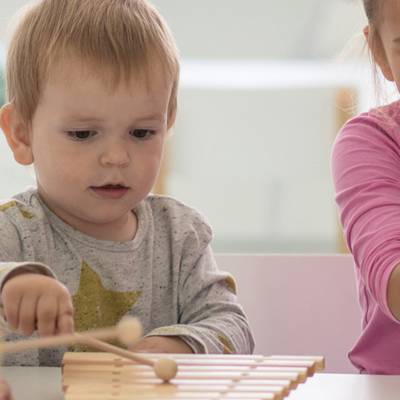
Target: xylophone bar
column 313, row 364
column 103, row 376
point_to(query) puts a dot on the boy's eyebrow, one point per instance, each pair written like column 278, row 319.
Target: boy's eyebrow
column 155, row 117
column 161, row 117
column 78, row 118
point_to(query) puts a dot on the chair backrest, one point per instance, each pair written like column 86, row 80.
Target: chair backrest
column 299, row 304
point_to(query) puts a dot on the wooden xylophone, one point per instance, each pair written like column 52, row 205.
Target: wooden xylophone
column 101, row 376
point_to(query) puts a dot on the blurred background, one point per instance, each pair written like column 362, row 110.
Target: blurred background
column 265, row 87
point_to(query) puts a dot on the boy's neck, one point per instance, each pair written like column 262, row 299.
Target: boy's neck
column 122, row 230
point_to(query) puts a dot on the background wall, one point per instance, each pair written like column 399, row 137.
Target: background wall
column 254, row 159
column 271, row 29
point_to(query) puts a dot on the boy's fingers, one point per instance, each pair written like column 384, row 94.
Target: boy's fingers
column 65, row 324
column 11, row 303
column 46, row 315
column 65, row 320
column 27, row 315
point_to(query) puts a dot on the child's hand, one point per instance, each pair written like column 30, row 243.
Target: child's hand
column 5, row 392
column 162, row 344
column 33, row 301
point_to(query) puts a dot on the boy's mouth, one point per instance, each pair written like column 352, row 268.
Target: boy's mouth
column 110, row 191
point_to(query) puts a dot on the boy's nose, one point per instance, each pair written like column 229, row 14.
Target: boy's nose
column 115, row 154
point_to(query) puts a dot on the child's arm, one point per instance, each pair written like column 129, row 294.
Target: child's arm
column 366, row 174
column 211, row 320
column 30, row 295
column 162, row 344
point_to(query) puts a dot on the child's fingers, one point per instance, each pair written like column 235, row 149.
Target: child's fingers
column 47, row 310
column 27, row 315
column 65, row 320
column 11, row 302
column 65, row 324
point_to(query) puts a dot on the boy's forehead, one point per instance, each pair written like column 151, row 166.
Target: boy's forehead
column 72, row 69
column 78, row 89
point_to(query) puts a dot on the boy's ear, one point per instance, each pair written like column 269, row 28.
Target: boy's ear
column 16, row 132
column 378, row 53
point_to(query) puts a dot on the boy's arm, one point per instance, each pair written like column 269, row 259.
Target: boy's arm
column 12, row 260
column 211, row 319
column 30, row 295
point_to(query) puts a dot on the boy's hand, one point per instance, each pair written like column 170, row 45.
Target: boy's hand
column 162, row 344
column 33, row 301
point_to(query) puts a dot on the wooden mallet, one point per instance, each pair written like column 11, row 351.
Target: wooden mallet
column 128, row 331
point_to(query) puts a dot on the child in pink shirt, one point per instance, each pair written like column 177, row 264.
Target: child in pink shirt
column 366, row 173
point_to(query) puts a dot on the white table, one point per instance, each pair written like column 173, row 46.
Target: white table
column 34, row 383
column 348, row 387
column 30, row 383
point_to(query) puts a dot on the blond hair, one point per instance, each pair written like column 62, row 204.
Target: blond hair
column 124, row 36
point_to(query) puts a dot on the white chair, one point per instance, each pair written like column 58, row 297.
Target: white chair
column 299, row 304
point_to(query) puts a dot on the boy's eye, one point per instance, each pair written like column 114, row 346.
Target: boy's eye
column 141, row 133
column 81, row 135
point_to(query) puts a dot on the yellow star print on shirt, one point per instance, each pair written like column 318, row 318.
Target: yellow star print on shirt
column 25, row 213
column 227, row 346
column 97, row 307
column 231, row 284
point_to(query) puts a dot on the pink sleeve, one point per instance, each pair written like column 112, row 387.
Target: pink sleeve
column 366, row 174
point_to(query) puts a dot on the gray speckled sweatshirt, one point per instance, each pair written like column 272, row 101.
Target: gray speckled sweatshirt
column 166, row 275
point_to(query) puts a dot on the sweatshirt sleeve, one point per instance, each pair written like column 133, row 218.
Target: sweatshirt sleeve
column 366, row 175
column 12, row 259
column 210, row 318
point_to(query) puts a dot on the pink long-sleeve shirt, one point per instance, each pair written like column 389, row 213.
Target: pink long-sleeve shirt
column 366, row 174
